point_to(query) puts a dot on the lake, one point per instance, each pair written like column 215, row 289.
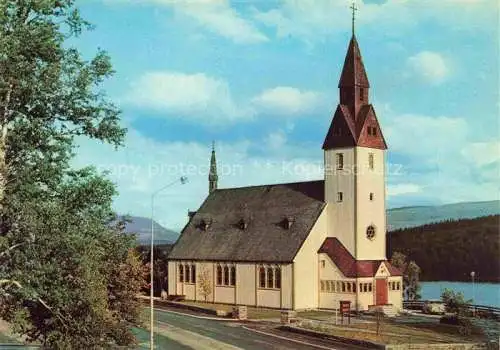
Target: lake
column 485, row 293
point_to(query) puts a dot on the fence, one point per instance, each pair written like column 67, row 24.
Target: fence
column 492, row 311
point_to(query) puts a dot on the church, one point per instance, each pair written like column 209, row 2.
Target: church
column 303, row 245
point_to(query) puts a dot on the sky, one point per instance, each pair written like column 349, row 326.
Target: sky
column 260, row 79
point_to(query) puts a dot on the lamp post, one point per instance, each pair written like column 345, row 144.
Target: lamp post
column 472, row 275
column 182, row 180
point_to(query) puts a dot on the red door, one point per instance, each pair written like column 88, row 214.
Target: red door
column 381, row 291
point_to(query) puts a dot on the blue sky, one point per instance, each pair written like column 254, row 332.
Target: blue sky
column 260, row 78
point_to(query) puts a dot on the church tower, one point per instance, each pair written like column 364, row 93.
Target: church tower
column 213, row 178
column 354, row 156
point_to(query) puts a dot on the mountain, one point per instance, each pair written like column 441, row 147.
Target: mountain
column 415, row 216
column 142, row 227
column 450, row 250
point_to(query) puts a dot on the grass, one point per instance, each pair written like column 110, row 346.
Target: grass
column 259, row 312
column 391, row 333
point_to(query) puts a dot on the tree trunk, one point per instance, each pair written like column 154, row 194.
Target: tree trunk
column 5, row 117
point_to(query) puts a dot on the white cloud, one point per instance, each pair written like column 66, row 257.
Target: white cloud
column 430, row 66
column 424, row 136
column 401, row 189
column 215, row 15
column 312, row 20
column 287, row 100
column 196, row 96
column 483, row 153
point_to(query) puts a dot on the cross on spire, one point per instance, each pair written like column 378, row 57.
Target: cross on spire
column 354, row 9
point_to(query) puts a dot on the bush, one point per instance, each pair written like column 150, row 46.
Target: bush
column 465, row 325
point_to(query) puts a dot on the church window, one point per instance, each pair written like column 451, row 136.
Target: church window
column 187, row 272
column 371, row 196
column 262, row 277
column 343, row 287
column 338, row 287
column 226, row 275
column 399, row 285
column 322, row 286
column 277, row 278
column 371, row 161
column 219, row 275
column 369, row 287
column 270, row 277
column 181, row 273
column 374, row 131
column 340, row 161
column 340, row 196
column 233, row 275
column 322, row 264
column 349, row 287
column 354, row 287
column 370, row 232
column 332, row 285
column 328, row 287
column 193, row 274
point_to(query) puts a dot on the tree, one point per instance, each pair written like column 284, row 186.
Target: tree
column 411, row 272
column 205, row 283
column 455, row 301
column 67, row 276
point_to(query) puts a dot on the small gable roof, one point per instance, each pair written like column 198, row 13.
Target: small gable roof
column 348, row 265
column 264, row 237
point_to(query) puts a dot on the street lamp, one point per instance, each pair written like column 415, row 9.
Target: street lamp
column 182, row 180
column 472, row 275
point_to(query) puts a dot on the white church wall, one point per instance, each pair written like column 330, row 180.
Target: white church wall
column 370, row 212
column 225, row 294
column 172, row 278
column 341, row 214
column 305, row 269
column 268, row 298
column 246, row 284
column 287, row 286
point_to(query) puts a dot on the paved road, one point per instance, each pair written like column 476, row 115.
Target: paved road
column 177, row 331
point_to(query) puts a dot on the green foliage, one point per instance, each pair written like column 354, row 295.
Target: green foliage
column 411, row 272
column 450, row 250
column 454, row 301
column 160, row 273
column 68, row 274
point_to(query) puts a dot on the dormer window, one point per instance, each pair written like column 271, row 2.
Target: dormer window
column 288, row 222
column 243, row 224
column 372, row 131
column 205, row 224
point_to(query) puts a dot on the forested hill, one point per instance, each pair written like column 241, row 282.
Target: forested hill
column 450, row 250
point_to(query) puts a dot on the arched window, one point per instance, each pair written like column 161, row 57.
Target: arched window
column 370, row 232
column 181, row 273
column 219, row 275
column 322, row 286
column 188, row 273
column 348, row 287
column 270, row 277
column 343, row 287
column 233, row 275
column 262, row 277
column 193, row 274
column 277, row 278
column 226, row 275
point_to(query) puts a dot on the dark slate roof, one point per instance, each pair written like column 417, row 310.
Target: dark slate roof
column 348, row 265
column 354, row 73
column 264, row 209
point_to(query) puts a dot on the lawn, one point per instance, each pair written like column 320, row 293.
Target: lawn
column 258, row 312
column 391, row 333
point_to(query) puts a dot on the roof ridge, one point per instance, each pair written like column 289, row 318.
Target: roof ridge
column 266, row 185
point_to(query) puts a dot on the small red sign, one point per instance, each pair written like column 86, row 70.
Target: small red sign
column 345, row 306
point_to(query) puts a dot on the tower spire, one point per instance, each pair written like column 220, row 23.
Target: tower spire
column 213, row 178
column 354, row 9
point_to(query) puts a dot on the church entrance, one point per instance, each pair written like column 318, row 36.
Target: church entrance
column 381, row 291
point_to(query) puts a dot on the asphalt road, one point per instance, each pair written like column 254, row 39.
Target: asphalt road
column 177, row 331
